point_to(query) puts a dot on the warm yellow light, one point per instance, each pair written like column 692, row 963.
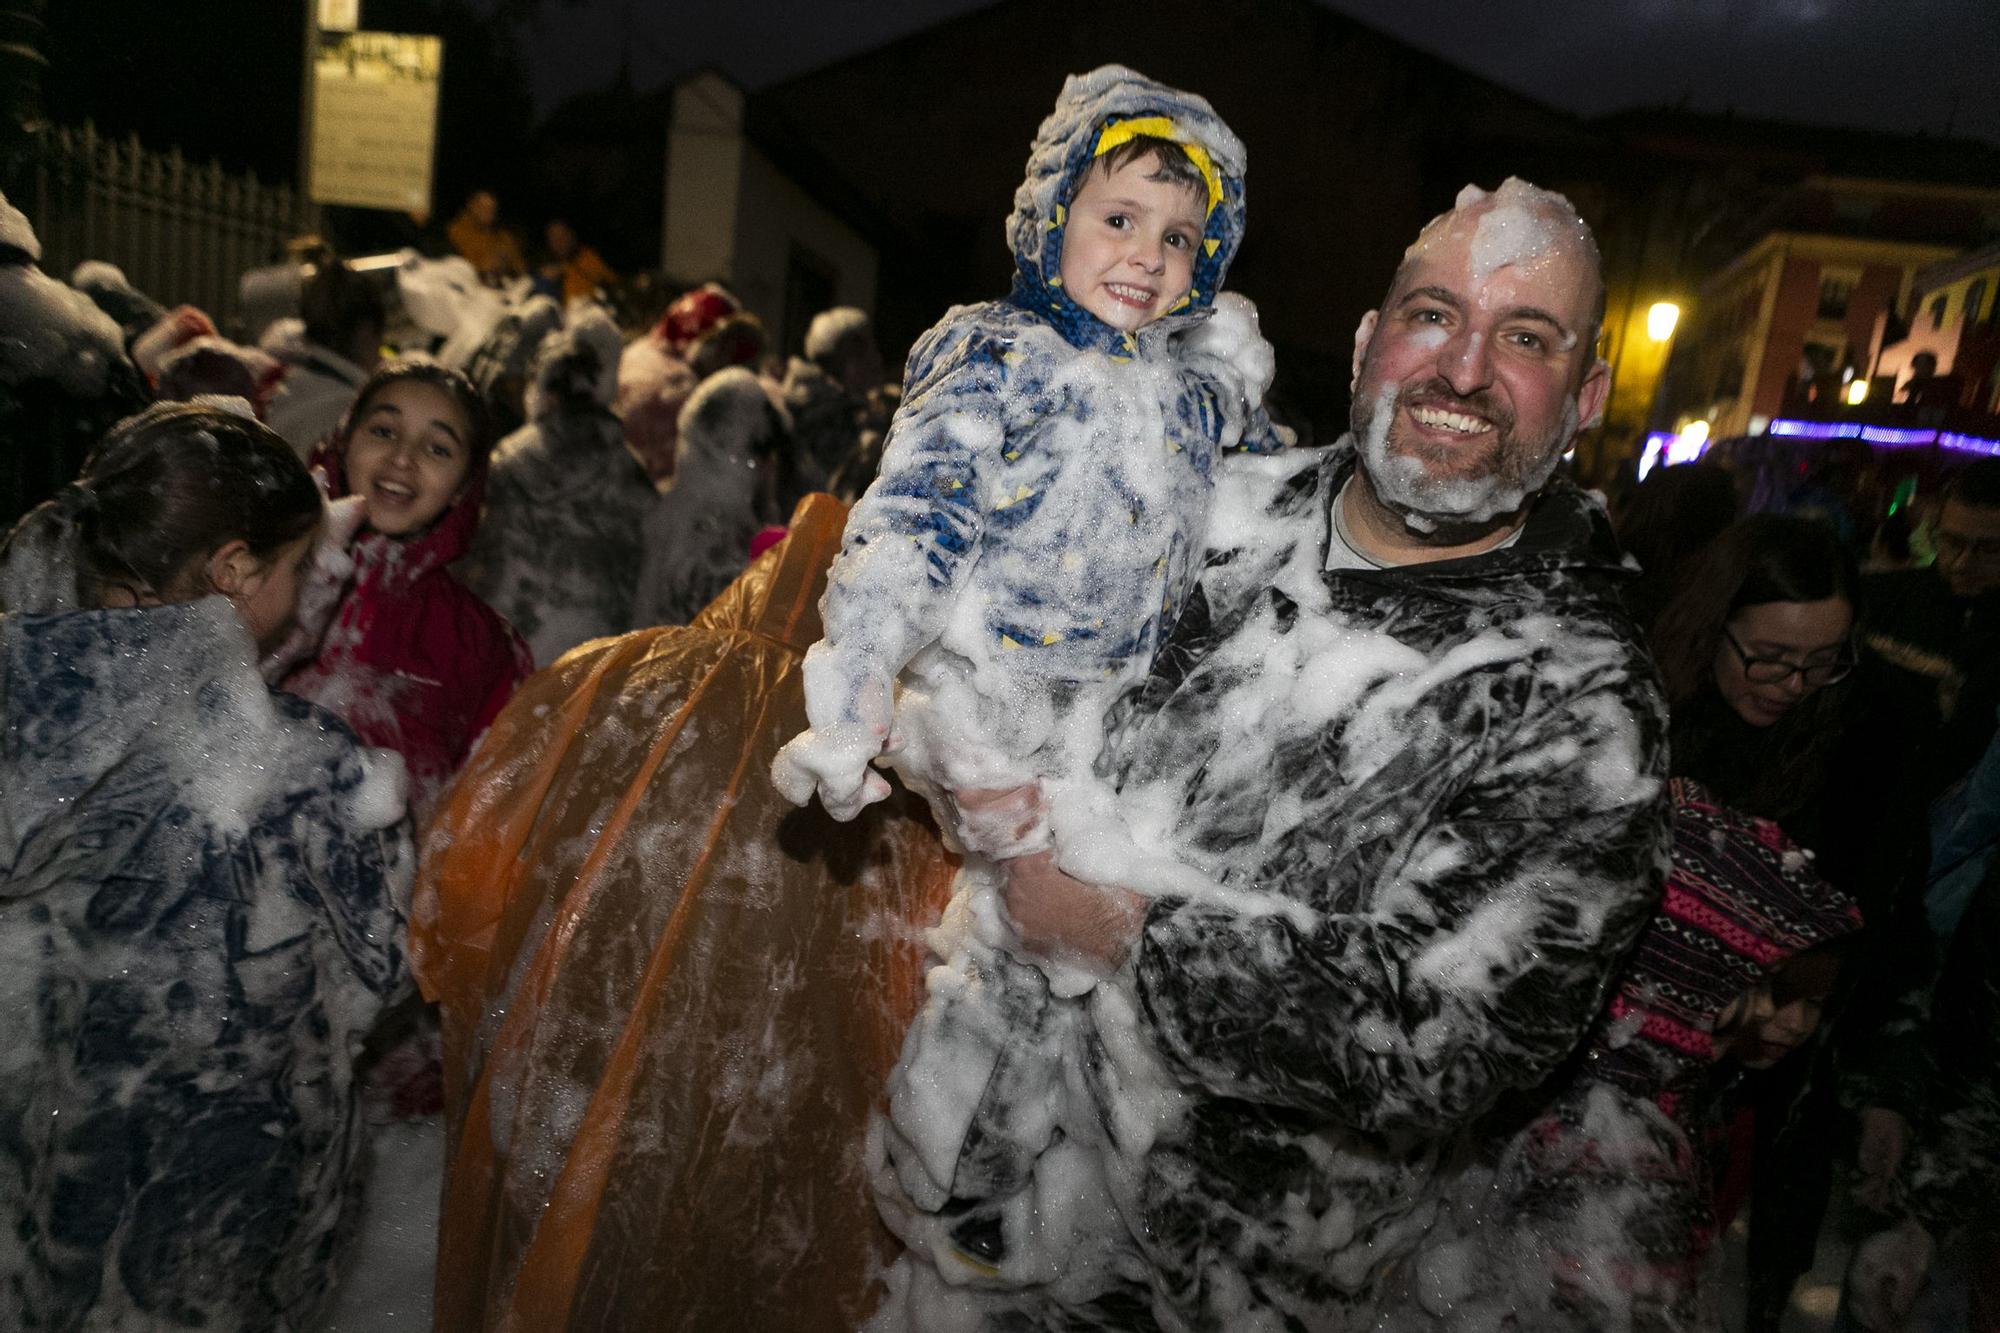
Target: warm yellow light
column 1857, row 392
column 1686, row 446
column 1660, row 320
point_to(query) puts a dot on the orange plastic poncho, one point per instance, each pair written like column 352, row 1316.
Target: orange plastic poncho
column 669, row 999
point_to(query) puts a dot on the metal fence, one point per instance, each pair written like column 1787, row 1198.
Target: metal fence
column 182, row 232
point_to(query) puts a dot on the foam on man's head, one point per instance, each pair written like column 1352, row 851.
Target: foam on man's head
column 1517, row 225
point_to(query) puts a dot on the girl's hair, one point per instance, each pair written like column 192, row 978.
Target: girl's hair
column 1665, row 523
column 174, row 483
column 1772, row 771
column 423, row 370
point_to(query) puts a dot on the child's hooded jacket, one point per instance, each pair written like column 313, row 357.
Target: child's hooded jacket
column 1072, row 458
column 414, row 661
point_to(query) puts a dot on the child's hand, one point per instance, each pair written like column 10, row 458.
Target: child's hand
column 1887, row 1274
column 181, row 325
column 833, row 762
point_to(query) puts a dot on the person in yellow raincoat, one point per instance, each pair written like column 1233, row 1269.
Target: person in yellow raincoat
column 669, row 999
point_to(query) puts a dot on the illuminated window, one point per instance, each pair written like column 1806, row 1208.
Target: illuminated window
column 1938, row 307
column 1975, row 296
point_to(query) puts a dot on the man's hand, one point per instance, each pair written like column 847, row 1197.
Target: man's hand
column 998, row 822
column 1885, row 1138
column 1068, row 921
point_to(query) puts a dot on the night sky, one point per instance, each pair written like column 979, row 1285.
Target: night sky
column 1908, row 65
column 228, row 88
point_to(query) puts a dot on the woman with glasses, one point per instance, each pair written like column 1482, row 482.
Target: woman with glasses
column 1754, row 649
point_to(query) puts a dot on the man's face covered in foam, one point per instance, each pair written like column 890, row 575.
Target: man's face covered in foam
column 1473, row 378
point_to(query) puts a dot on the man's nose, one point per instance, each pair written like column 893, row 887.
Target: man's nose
column 1465, row 362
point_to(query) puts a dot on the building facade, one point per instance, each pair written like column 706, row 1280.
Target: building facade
column 1952, row 318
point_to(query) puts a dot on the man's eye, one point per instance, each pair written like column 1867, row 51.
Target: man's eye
column 1427, row 316
column 1526, row 341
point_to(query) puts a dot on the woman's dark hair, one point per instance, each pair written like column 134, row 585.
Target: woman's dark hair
column 1976, row 484
column 449, row 382
column 1665, row 523
column 171, row 485
column 1771, row 771
column 337, row 303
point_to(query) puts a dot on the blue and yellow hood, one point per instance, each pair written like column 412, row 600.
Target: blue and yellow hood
column 1096, row 112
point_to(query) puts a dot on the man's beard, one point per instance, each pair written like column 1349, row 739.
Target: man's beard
column 1451, row 503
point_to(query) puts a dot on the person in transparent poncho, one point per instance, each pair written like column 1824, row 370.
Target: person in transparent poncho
column 1035, row 528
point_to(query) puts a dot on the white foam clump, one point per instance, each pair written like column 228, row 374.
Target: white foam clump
column 51, row 331
column 1231, row 335
column 1425, row 501
column 445, row 297
column 1519, row 225
column 830, row 328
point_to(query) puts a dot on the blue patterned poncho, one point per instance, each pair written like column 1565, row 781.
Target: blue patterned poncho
column 199, row 921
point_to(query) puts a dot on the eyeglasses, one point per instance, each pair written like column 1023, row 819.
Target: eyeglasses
column 1774, row 670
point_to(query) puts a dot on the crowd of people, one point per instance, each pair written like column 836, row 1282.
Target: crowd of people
column 1238, row 885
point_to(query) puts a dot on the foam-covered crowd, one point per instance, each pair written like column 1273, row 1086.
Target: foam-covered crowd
column 1033, row 848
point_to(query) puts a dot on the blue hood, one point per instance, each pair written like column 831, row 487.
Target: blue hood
column 1065, row 147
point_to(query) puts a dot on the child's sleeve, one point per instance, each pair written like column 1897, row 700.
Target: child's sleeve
column 908, row 543
column 912, row 537
column 1233, row 366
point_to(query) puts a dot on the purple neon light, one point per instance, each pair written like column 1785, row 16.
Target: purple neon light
column 1970, row 444
column 1891, row 436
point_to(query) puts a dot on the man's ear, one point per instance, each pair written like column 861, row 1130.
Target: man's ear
column 1364, row 333
column 231, row 569
column 1590, row 397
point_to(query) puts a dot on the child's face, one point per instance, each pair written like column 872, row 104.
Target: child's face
column 1770, row 1021
column 407, row 456
column 267, row 597
column 1129, row 247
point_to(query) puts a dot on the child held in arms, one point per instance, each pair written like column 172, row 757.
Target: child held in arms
column 1036, row 526
column 1045, row 485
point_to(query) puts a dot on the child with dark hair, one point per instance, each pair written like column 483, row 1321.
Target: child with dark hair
column 413, row 660
column 200, row 897
column 1034, row 532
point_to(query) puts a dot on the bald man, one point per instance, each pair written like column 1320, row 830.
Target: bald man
column 1406, row 716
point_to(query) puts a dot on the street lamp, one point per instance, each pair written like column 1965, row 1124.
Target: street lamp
column 1661, row 317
